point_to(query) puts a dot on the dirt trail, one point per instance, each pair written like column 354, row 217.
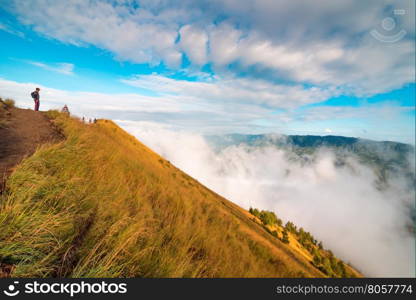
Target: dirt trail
column 21, row 132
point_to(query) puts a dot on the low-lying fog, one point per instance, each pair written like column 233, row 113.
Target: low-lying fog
column 339, row 205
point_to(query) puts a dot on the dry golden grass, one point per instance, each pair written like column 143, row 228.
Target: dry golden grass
column 101, row 204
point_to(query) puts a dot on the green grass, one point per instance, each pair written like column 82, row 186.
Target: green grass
column 101, row 204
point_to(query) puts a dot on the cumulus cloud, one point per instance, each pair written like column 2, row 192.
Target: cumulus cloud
column 126, row 33
column 363, row 69
column 194, row 42
column 339, row 205
column 325, row 44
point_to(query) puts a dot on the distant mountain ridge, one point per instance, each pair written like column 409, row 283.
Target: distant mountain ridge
column 304, row 141
column 390, row 161
column 386, row 158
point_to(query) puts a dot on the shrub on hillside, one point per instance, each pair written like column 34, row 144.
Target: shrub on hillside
column 285, row 237
column 326, row 267
column 316, row 260
column 255, row 212
column 9, row 102
column 266, row 217
column 291, row 227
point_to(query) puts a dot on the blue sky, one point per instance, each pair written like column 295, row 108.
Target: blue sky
column 252, row 66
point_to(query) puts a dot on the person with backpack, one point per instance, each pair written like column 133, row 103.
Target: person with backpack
column 65, row 110
column 35, row 96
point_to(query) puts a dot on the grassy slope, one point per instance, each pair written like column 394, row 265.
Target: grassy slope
column 297, row 246
column 101, row 204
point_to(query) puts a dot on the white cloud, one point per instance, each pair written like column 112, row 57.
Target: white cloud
column 228, row 45
column 87, row 102
column 234, row 90
column 213, row 108
column 324, row 44
column 194, row 43
column 339, row 205
column 367, row 68
column 129, row 34
column 63, row 68
column 275, row 107
column 379, row 121
column 181, row 112
column 386, row 111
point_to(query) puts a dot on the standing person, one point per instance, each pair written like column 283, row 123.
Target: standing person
column 35, row 96
column 65, row 110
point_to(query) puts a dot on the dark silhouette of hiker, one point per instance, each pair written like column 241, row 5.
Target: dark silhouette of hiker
column 35, row 96
column 65, row 110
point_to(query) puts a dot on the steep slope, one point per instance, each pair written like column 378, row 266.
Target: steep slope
column 21, row 132
column 304, row 243
column 101, row 204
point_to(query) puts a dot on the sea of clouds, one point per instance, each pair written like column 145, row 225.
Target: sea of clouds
column 340, row 206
